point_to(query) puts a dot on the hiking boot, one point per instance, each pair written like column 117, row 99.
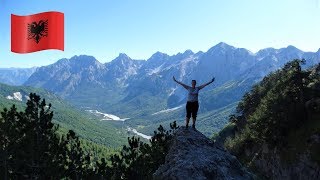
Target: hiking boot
column 187, row 126
column 193, row 126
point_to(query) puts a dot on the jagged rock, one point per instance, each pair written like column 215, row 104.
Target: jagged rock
column 194, row 156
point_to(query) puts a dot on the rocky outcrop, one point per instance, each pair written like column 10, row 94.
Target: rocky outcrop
column 194, row 156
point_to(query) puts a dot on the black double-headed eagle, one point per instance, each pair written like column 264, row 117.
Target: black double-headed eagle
column 38, row 30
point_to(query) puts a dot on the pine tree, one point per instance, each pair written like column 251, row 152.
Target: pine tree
column 10, row 129
column 140, row 160
column 75, row 156
column 29, row 142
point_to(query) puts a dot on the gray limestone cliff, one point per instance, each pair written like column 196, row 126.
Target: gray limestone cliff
column 194, row 156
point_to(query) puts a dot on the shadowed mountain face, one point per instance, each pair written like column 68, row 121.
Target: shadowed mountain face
column 138, row 89
column 64, row 76
column 193, row 156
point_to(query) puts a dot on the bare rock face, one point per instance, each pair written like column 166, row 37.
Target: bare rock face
column 194, row 156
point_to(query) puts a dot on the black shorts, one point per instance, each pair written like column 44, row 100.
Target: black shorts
column 192, row 108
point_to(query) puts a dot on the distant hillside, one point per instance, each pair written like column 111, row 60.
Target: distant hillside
column 15, row 76
column 67, row 116
column 276, row 130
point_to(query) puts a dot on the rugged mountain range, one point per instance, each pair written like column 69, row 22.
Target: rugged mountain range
column 143, row 90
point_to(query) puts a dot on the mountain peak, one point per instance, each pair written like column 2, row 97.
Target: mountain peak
column 123, row 56
column 81, row 60
column 266, row 51
column 194, row 156
column 84, row 60
column 156, row 60
column 199, row 53
column 222, row 46
column 290, row 48
column 188, row 52
column 159, row 55
column 61, row 61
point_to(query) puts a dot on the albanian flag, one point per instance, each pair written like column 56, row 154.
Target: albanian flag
column 37, row 32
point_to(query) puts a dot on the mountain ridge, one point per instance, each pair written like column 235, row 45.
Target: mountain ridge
column 120, row 86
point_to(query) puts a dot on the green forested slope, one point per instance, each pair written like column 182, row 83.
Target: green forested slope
column 276, row 129
column 67, row 116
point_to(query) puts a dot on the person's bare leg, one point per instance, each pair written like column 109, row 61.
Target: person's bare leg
column 194, row 122
column 187, row 122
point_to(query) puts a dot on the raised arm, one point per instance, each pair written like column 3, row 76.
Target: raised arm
column 204, row 85
column 184, row 85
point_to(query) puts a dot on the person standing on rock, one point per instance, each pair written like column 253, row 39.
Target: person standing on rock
column 192, row 105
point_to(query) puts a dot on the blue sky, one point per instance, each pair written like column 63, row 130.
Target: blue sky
column 139, row 28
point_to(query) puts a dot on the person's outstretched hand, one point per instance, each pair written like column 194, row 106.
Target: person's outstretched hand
column 212, row 79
